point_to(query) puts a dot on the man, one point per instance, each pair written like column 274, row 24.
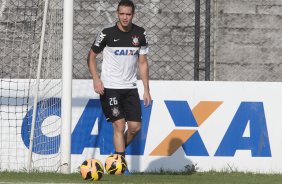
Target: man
column 124, row 47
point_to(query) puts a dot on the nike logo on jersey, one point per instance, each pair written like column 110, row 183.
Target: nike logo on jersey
column 115, row 40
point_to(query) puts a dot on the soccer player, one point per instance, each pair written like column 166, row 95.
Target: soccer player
column 125, row 48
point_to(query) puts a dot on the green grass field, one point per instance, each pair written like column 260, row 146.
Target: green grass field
column 196, row 178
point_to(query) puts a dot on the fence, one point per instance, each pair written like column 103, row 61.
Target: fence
column 241, row 39
column 223, row 40
column 178, row 32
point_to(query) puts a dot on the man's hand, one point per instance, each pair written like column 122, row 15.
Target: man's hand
column 147, row 99
column 98, row 86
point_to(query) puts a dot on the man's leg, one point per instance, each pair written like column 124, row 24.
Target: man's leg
column 119, row 142
column 132, row 130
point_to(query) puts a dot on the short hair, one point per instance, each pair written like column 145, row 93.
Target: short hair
column 128, row 3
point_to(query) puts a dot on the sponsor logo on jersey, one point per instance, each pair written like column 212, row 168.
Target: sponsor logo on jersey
column 99, row 39
column 135, row 40
column 126, row 52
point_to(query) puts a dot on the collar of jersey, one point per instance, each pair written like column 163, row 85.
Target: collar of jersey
column 123, row 31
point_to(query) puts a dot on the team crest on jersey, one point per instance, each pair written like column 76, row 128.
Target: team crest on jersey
column 135, row 40
column 115, row 111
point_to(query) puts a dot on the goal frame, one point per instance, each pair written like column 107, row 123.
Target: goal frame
column 66, row 101
column 66, row 96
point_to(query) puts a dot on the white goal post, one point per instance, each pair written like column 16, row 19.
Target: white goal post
column 35, row 85
column 67, row 88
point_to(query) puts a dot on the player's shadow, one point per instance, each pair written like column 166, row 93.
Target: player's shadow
column 175, row 161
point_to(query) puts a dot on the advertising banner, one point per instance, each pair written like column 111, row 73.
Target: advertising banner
column 207, row 125
column 222, row 126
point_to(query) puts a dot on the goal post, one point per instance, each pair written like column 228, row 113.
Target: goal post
column 35, row 85
column 66, row 106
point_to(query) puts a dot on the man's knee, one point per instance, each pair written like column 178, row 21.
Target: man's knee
column 134, row 128
column 119, row 125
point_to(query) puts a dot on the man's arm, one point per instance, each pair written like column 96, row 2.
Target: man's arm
column 92, row 65
column 144, row 75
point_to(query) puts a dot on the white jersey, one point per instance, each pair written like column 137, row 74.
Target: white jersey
column 121, row 51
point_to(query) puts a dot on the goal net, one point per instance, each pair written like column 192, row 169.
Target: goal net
column 21, row 23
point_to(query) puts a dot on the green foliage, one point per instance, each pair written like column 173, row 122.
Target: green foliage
column 190, row 176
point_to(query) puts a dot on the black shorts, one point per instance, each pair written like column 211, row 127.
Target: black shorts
column 121, row 103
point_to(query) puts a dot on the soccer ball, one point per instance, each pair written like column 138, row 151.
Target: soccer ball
column 115, row 164
column 92, row 169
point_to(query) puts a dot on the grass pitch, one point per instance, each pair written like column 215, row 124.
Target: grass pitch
column 195, row 178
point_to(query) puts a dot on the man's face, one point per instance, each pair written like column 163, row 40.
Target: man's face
column 125, row 15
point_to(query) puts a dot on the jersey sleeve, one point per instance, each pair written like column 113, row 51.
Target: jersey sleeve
column 100, row 42
column 144, row 45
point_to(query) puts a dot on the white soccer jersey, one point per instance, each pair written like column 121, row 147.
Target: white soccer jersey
column 120, row 55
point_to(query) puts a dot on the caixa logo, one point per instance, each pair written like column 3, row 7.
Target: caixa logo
column 125, row 52
column 248, row 113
